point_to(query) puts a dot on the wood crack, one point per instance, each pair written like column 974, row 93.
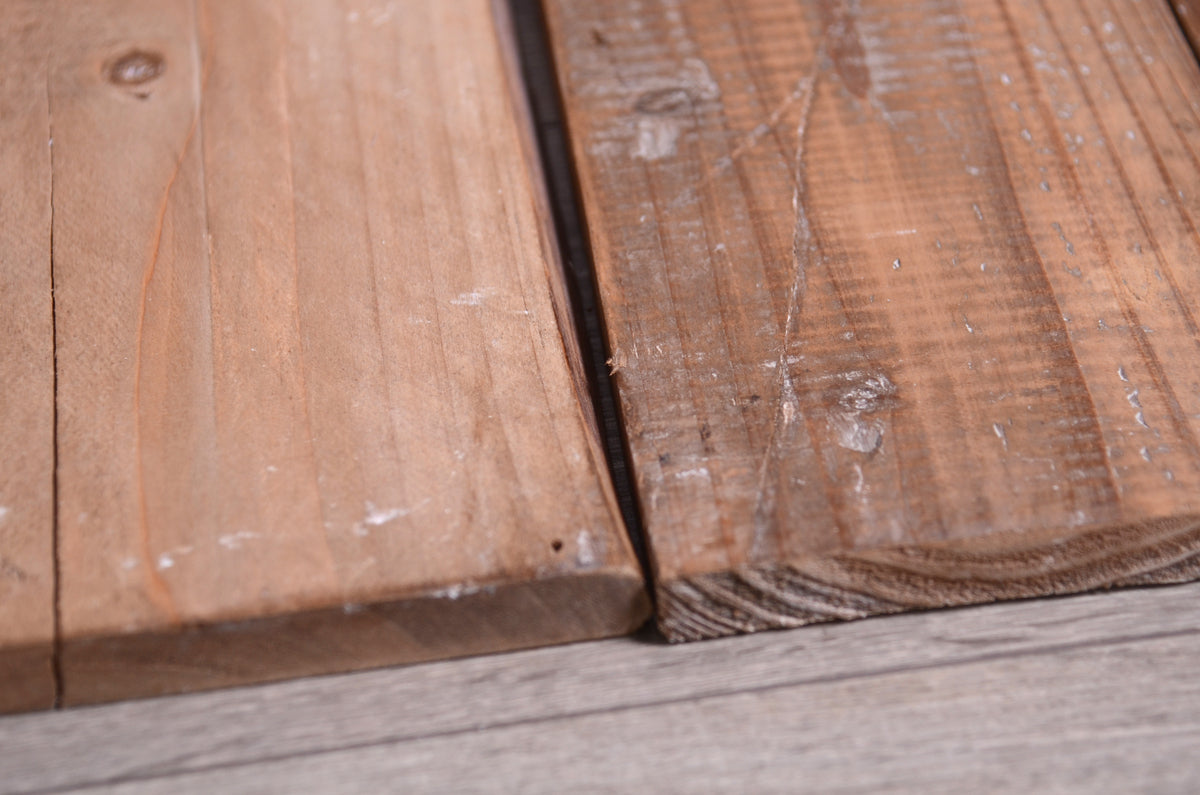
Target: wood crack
column 56, row 651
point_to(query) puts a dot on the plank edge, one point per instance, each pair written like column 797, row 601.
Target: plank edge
column 434, row 626
column 963, row 572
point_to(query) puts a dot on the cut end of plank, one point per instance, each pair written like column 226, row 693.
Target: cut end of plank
column 27, row 674
column 896, row 579
column 454, row 622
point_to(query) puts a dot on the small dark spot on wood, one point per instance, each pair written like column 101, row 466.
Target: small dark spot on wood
column 663, row 101
column 705, row 431
column 135, row 68
column 664, row 459
column 556, row 545
column 755, row 398
column 598, row 38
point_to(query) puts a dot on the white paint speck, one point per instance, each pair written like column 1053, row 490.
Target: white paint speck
column 1121, row 374
column 998, row 429
column 165, row 561
column 234, row 540
column 865, row 395
column 3, row 512
column 656, row 138
column 473, row 298
column 896, row 264
column 585, row 555
column 376, row 517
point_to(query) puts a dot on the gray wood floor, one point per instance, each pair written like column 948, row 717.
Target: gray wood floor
column 1083, row 694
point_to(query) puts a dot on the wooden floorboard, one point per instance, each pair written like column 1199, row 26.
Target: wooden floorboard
column 316, row 398
column 901, row 297
column 1051, row 693
column 925, row 731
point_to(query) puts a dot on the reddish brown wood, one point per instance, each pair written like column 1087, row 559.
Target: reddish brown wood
column 318, row 405
column 901, row 297
column 26, row 365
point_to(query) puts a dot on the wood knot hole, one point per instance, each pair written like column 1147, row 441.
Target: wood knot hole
column 135, row 68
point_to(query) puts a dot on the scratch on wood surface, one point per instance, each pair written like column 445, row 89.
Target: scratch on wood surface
column 788, row 404
column 801, row 92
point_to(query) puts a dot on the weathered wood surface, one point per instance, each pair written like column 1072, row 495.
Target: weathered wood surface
column 901, row 297
column 318, row 403
column 26, row 367
column 1096, row 693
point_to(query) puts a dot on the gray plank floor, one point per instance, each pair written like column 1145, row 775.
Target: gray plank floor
column 1084, row 694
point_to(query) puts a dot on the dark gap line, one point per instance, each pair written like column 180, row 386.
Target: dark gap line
column 633, row 706
column 56, row 650
column 1191, row 33
column 545, row 100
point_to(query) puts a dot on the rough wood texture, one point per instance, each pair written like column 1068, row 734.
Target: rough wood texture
column 901, row 297
column 26, row 367
column 1080, row 695
column 317, row 403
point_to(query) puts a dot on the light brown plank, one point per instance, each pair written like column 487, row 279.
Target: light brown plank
column 26, row 366
column 161, row 739
column 901, row 297
column 316, row 411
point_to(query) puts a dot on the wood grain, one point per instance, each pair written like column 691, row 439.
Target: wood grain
column 901, row 298
column 26, row 366
column 318, row 407
column 803, row 734
column 1100, row 685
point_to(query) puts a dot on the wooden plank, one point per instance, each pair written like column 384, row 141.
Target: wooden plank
column 900, row 297
column 26, row 367
column 318, row 403
column 162, row 739
column 926, row 731
column 1112, row 673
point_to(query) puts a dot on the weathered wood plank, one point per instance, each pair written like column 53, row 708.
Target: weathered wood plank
column 927, row 731
column 901, row 298
column 315, row 375
column 163, row 738
column 26, row 366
